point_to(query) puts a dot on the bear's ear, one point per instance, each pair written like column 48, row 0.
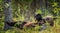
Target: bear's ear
column 54, row 18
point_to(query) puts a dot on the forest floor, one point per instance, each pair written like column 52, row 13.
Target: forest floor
column 49, row 29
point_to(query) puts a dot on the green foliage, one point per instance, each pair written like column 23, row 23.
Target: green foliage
column 39, row 11
column 55, row 7
column 55, row 4
column 1, row 0
column 1, row 5
column 55, row 29
column 10, row 31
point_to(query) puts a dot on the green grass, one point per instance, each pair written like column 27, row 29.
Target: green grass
column 49, row 29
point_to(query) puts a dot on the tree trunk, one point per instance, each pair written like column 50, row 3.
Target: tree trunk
column 43, row 6
column 34, row 7
column 8, row 13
